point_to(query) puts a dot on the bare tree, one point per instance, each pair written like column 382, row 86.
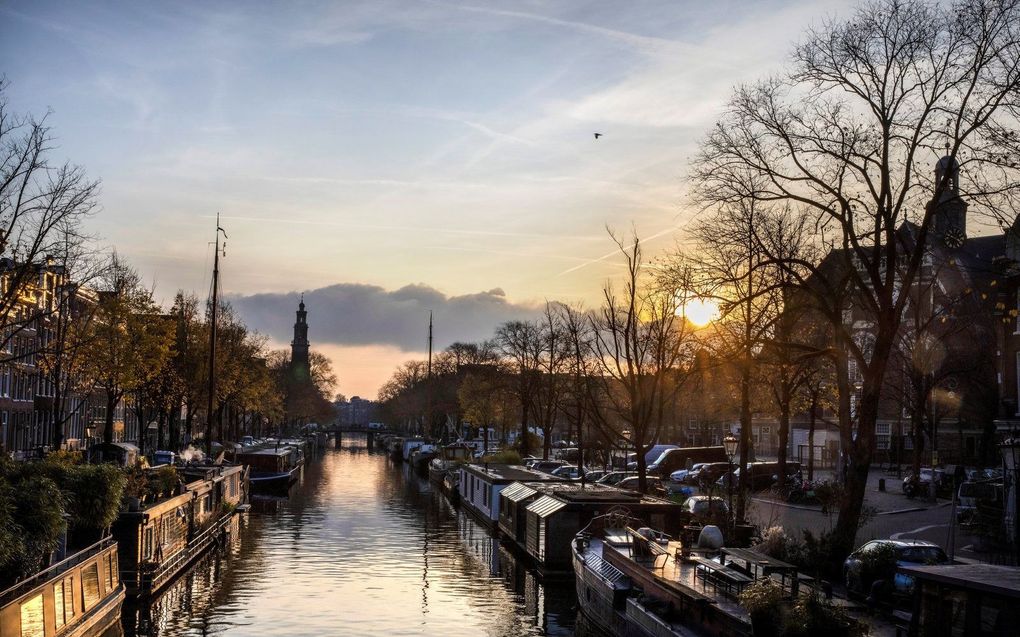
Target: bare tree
column 520, row 343
column 640, row 344
column 849, row 135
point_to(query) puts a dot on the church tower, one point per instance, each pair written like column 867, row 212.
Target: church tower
column 950, row 222
column 299, row 346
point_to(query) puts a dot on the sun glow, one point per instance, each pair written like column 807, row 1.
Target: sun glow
column 700, row 312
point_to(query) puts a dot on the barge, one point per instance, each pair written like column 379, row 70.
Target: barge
column 633, row 583
column 80, row 596
column 479, row 486
column 157, row 542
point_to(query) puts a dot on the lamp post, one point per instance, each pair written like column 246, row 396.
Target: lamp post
column 730, row 446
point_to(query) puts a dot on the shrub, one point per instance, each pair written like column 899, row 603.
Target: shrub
column 813, row 615
column 94, row 494
column 776, row 543
column 64, row 458
column 162, row 481
column 763, row 601
column 504, row 457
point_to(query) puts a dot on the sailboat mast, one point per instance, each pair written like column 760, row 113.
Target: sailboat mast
column 428, row 372
column 212, row 339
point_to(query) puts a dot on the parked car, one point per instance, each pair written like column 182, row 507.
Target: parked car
column 762, row 475
column 567, row 471
column 973, row 492
column 594, row 475
column 914, row 485
column 613, row 477
column 707, row 473
column 703, row 509
column 654, row 485
column 680, row 475
column 856, row 568
column 569, row 454
column 547, row 466
column 681, row 458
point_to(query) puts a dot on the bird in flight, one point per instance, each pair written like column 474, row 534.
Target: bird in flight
column 597, row 135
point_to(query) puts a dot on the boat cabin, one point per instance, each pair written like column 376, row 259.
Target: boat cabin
column 81, row 595
column 542, row 519
column 271, row 460
column 481, row 484
column 158, row 541
column 124, row 454
column 965, row 599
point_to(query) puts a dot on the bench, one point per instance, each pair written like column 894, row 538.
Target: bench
column 721, row 575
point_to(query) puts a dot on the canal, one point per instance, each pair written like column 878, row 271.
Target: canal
column 360, row 547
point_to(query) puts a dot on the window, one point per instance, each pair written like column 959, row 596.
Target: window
column 1018, row 382
column 32, row 624
column 882, row 435
column 90, row 585
column 63, row 596
column 111, row 571
column 147, row 544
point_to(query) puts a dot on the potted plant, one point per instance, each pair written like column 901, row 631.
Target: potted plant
column 763, row 601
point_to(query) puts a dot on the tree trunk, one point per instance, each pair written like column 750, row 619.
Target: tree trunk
column 811, row 437
column 745, row 439
column 525, row 445
column 111, row 404
column 784, row 437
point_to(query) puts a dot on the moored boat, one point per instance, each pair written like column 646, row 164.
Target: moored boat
column 80, row 596
column 158, row 541
column 632, row 583
column 273, row 469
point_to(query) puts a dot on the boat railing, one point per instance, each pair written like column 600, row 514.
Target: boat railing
column 25, row 585
column 152, row 578
column 603, row 568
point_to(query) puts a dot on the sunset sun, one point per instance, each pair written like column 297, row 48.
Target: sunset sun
column 700, row 312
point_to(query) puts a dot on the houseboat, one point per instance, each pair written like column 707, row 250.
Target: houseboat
column 479, row 487
column 396, row 448
column 422, row 456
column 80, row 596
column 448, row 458
column 634, row 583
column 160, row 540
column 541, row 519
column 964, row 599
column 408, row 445
column 273, row 469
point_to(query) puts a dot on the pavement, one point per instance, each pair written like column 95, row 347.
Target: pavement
column 893, row 516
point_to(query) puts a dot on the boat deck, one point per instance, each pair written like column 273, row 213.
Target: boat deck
column 684, row 578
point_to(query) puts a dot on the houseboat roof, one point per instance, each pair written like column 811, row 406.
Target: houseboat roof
column 507, row 473
column 546, row 506
column 991, row 578
column 272, row 451
column 518, row 491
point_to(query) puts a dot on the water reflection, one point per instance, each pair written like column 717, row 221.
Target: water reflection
column 360, row 547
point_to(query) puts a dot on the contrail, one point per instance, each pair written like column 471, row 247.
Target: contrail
column 617, row 251
column 459, row 231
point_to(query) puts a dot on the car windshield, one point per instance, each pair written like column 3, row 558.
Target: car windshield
column 922, row 555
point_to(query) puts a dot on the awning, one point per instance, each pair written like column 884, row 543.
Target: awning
column 546, row 506
column 517, row 492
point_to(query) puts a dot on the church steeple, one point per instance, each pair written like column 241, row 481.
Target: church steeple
column 299, row 346
column 950, row 222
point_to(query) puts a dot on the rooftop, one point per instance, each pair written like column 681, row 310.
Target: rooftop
column 992, row 578
column 510, row 473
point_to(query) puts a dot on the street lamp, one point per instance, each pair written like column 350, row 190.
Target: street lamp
column 730, row 446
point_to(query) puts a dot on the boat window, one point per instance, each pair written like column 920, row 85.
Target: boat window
column 147, row 544
column 90, row 585
column 63, row 595
column 111, row 571
column 32, row 624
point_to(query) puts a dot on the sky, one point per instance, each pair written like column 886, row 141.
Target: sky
column 388, row 159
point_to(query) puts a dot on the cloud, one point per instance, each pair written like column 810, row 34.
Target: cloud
column 355, row 314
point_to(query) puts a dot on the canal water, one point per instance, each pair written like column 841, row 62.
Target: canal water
column 360, row 547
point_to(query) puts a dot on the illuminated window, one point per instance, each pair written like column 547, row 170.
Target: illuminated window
column 63, row 595
column 32, row 624
column 90, row 585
